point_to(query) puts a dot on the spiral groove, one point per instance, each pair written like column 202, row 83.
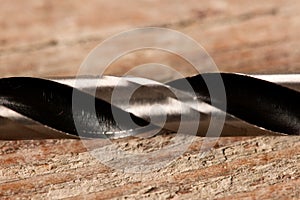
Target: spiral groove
column 45, row 109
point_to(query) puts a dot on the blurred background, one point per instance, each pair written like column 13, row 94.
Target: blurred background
column 51, row 38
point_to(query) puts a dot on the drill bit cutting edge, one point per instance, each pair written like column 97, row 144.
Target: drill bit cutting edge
column 34, row 108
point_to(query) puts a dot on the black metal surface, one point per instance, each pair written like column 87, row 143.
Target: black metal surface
column 50, row 104
column 256, row 101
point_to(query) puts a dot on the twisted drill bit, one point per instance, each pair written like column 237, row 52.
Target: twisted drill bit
column 34, row 108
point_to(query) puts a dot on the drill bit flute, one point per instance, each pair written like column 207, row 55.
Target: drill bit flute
column 34, row 108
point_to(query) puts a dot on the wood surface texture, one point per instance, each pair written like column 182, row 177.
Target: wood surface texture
column 51, row 38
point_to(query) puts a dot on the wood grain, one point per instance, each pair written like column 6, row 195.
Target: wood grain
column 51, row 38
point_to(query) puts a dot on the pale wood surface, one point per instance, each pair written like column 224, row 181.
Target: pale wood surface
column 51, row 38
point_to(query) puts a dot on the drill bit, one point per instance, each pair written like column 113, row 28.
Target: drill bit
column 34, row 108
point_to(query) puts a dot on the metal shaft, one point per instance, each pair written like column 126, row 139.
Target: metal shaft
column 145, row 100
